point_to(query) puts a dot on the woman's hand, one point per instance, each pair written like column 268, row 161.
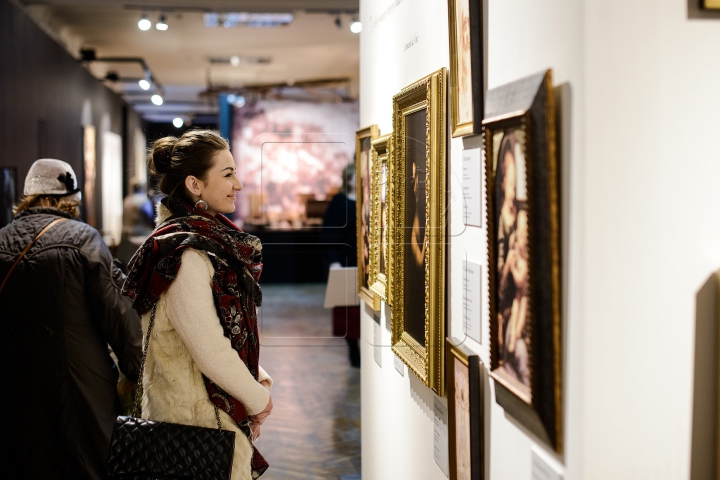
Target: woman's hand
column 255, row 431
column 259, row 418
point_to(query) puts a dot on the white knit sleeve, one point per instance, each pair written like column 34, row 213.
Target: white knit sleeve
column 191, row 310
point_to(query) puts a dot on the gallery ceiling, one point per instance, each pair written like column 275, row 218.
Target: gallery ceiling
column 316, row 53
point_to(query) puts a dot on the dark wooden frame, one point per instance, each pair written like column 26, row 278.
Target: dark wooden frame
column 456, row 349
column 529, row 105
column 475, row 8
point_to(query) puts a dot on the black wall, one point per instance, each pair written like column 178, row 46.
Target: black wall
column 46, row 96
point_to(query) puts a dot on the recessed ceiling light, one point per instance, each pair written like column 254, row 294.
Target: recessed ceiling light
column 144, row 84
column 234, row 60
column 356, row 27
column 162, row 23
column 157, row 99
column 144, row 23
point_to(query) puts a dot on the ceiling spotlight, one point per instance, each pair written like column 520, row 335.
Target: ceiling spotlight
column 144, row 84
column 157, row 99
column 178, row 122
column 162, row 23
column 356, row 27
column 338, row 22
column 239, row 101
column 234, row 60
column 144, row 23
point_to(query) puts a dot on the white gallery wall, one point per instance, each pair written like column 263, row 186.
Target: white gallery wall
column 639, row 101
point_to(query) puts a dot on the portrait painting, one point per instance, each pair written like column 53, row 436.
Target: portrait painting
column 522, row 209
column 465, row 403
column 89, row 174
column 418, row 228
column 363, row 179
column 380, row 215
column 466, row 66
column 511, row 263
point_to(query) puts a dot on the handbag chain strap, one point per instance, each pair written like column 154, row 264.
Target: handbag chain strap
column 138, row 390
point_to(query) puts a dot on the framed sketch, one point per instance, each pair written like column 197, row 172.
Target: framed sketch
column 418, row 167
column 8, row 194
column 524, row 254
column 380, row 196
column 89, row 174
column 467, row 76
column 363, row 185
column 465, row 407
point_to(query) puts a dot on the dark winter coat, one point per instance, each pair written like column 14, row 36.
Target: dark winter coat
column 59, row 310
column 340, row 231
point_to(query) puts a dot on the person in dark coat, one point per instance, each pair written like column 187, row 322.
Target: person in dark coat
column 60, row 307
column 340, row 235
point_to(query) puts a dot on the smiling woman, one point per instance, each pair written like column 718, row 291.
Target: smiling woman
column 195, row 280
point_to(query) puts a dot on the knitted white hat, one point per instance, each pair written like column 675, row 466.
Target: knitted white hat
column 48, row 176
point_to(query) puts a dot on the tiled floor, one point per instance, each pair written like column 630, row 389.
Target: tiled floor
column 314, row 430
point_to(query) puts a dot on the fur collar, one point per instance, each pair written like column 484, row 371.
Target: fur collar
column 163, row 213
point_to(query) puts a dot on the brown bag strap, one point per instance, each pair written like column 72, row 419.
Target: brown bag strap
column 22, row 254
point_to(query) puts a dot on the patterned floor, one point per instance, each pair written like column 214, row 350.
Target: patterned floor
column 314, row 430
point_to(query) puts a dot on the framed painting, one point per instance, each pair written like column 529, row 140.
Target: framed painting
column 467, row 75
column 8, row 194
column 465, row 406
column 418, row 167
column 89, row 174
column 363, row 185
column 381, row 195
column 524, row 254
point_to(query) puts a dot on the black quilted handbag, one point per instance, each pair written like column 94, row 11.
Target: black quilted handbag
column 147, row 450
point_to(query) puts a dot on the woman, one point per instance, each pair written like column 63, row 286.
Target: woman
column 198, row 274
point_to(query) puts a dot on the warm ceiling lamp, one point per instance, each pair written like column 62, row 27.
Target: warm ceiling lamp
column 162, row 23
column 178, row 122
column 144, row 84
column 144, row 23
column 356, row 27
column 156, row 99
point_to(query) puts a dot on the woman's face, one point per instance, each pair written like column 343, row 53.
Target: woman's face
column 221, row 184
column 509, row 180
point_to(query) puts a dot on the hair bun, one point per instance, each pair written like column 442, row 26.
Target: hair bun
column 160, row 155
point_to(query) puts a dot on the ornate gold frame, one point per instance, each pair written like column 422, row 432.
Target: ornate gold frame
column 380, row 151
column 529, row 105
column 365, row 134
column 427, row 362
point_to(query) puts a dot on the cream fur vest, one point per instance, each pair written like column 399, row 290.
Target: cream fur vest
column 174, row 390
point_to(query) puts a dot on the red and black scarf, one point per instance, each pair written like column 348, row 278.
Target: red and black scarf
column 237, row 260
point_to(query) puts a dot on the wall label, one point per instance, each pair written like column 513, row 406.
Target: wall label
column 377, row 349
column 399, row 365
column 472, row 300
column 540, row 470
column 440, row 437
column 472, row 187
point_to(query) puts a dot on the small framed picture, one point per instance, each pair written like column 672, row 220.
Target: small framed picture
column 363, row 185
column 522, row 209
column 467, row 76
column 465, row 408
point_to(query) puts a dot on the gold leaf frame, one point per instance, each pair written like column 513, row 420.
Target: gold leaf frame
column 427, row 362
column 381, row 151
column 367, row 134
column 477, row 69
column 528, row 105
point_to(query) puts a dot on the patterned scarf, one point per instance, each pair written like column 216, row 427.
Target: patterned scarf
column 236, row 258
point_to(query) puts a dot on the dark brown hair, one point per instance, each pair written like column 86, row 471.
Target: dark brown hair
column 65, row 204
column 174, row 159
